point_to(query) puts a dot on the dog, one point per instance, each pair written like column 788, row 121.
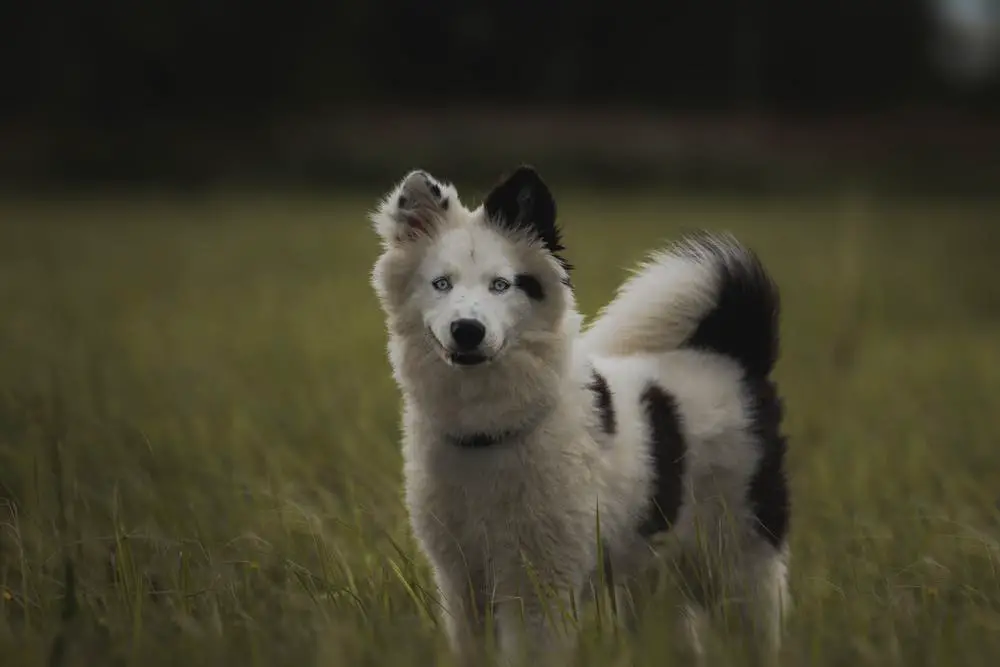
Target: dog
column 542, row 456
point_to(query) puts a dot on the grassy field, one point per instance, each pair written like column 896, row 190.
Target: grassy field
column 198, row 430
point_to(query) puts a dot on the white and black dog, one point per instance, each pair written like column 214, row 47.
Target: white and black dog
column 539, row 456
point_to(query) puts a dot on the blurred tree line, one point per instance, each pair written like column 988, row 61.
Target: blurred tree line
column 109, row 60
column 113, row 64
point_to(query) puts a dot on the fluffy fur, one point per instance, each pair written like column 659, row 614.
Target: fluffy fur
column 532, row 446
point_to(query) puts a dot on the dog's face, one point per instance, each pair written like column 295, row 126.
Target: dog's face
column 470, row 290
column 477, row 285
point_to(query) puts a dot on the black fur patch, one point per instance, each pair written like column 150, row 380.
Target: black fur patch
column 530, row 286
column 668, row 449
column 743, row 324
column 768, row 494
column 523, row 202
column 603, row 403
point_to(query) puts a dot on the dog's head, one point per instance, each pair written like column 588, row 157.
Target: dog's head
column 479, row 285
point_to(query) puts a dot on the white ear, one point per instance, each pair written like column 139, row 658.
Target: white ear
column 416, row 206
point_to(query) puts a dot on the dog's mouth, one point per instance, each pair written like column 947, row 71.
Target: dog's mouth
column 462, row 359
column 467, row 358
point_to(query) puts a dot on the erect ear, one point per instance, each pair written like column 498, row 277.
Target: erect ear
column 417, row 205
column 522, row 202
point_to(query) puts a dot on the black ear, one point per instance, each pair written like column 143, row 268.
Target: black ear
column 523, row 202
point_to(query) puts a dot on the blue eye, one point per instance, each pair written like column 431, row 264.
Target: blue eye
column 499, row 285
column 442, row 284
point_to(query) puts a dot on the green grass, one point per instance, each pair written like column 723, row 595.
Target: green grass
column 197, row 414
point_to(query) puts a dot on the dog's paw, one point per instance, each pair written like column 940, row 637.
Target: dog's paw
column 415, row 206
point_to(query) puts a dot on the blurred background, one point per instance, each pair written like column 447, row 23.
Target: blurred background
column 777, row 93
column 199, row 429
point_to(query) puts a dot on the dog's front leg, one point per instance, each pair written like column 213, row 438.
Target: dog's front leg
column 465, row 613
column 536, row 631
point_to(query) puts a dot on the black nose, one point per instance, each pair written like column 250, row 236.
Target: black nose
column 468, row 334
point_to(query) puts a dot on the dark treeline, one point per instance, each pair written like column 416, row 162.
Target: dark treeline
column 106, row 61
column 190, row 91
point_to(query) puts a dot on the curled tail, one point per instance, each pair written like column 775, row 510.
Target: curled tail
column 706, row 291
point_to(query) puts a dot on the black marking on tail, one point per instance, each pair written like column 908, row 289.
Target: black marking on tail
column 603, row 403
column 668, row 448
column 743, row 324
column 768, row 494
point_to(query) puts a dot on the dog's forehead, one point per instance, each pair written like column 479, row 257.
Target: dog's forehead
column 471, row 247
